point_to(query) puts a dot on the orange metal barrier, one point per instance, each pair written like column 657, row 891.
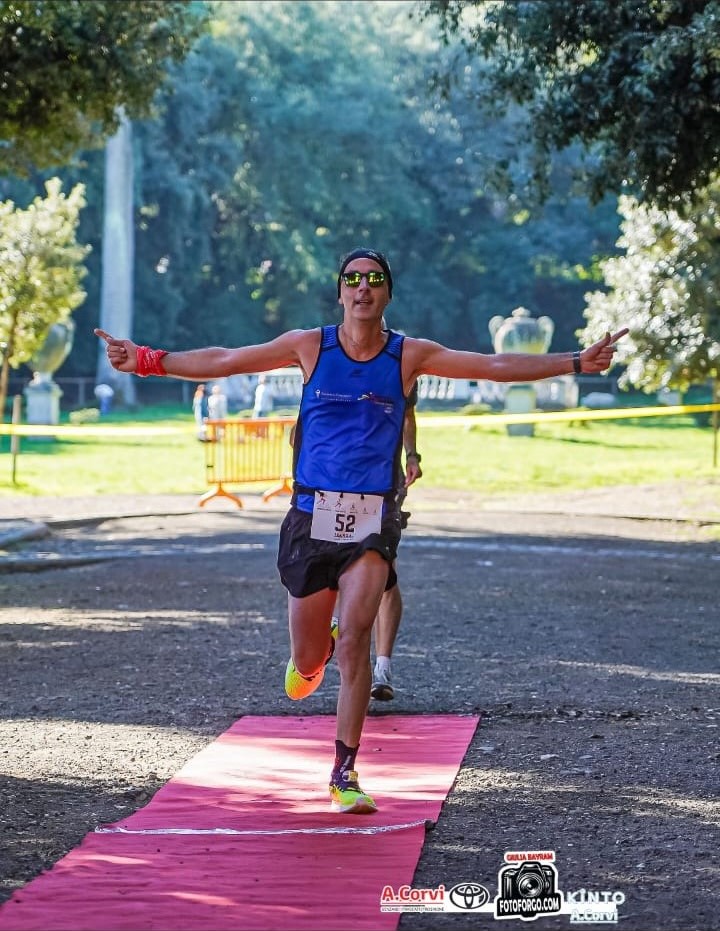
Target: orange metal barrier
column 243, row 451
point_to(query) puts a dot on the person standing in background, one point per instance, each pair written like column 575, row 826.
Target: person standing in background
column 200, row 411
column 263, row 397
column 217, row 404
column 217, row 410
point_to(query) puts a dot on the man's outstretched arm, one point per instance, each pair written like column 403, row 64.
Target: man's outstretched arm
column 428, row 358
column 211, row 362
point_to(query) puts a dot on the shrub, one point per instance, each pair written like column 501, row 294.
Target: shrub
column 85, row 415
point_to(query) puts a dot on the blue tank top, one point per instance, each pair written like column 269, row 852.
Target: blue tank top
column 349, row 429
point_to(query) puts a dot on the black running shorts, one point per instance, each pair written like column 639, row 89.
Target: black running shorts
column 307, row 566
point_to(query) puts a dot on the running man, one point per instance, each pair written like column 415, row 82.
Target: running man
column 342, row 529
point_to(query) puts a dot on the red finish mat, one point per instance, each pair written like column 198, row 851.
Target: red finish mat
column 243, row 836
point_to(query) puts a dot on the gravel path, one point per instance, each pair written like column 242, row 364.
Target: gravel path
column 133, row 631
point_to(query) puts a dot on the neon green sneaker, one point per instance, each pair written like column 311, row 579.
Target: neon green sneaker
column 347, row 796
column 297, row 686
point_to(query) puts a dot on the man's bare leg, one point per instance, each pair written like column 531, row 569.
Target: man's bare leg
column 361, row 588
column 310, row 642
column 309, row 624
column 387, row 624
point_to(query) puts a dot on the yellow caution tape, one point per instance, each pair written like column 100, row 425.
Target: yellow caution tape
column 615, row 413
column 86, row 431
column 90, row 431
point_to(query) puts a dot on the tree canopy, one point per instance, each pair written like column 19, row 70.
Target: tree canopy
column 280, row 142
column 40, row 272
column 283, row 142
column 637, row 84
column 66, row 66
column 665, row 287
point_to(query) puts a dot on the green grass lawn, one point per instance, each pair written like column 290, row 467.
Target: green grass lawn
column 484, row 459
column 563, row 456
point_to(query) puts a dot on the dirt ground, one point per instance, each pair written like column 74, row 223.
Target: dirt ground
column 132, row 632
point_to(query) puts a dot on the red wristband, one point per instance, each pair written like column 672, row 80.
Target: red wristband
column 148, row 361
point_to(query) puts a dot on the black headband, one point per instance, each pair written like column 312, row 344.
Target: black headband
column 366, row 254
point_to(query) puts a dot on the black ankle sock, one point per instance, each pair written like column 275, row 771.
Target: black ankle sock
column 344, row 759
column 332, row 651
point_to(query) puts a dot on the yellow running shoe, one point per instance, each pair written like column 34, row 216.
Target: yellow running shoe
column 347, row 796
column 297, row 686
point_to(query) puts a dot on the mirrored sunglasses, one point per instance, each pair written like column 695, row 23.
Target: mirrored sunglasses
column 374, row 279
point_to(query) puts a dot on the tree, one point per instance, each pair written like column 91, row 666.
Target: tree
column 283, row 142
column 40, row 273
column 279, row 142
column 290, row 143
column 637, row 84
column 66, row 67
column 118, row 255
column 666, row 288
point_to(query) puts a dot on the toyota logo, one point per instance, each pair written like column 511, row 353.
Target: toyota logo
column 469, row 895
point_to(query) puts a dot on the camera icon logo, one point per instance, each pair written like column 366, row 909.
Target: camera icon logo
column 528, row 890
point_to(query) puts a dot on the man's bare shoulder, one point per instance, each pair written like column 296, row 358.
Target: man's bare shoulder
column 416, row 351
column 299, row 340
column 418, row 344
column 302, row 336
column 305, row 345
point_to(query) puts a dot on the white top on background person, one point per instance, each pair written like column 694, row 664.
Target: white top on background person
column 263, row 397
column 217, row 404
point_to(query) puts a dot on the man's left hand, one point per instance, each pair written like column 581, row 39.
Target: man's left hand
column 599, row 356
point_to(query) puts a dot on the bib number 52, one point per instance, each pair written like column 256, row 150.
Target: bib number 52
column 344, row 523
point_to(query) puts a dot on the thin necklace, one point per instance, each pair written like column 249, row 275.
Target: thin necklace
column 354, row 343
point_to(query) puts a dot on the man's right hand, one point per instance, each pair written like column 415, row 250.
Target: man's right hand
column 121, row 353
column 412, row 471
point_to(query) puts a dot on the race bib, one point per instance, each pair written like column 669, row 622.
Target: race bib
column 345, row 517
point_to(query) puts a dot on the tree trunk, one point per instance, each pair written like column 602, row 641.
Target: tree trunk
column 118, row 253
column 4, row 379
column 715, row 420
column 6, row 353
